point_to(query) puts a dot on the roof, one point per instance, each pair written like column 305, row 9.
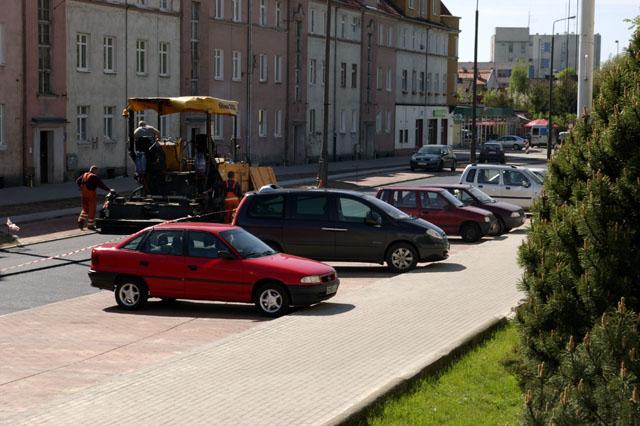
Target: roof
column 435, row 188
column 200, row 226
column 183, row 104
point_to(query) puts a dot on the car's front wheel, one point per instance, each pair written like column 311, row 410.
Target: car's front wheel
column 502, row 227
column 131, row 294
column 470, row 232
column 402, row 257
column 272, row 300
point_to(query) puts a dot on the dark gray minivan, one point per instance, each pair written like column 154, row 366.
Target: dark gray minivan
column 325, row 224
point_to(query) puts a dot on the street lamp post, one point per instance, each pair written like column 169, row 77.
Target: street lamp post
column 617, row 47
column 323, row 169
column 474, row 103
column 550, row 123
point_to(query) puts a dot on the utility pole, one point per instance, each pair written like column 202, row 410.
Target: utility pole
column 250, row 64
column 585, row 63
column 474, row 104
column 323, row 170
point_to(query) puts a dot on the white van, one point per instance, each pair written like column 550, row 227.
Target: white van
column 539, row 136
column 516, row 185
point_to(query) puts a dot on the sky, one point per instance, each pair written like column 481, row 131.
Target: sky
column 609, row 21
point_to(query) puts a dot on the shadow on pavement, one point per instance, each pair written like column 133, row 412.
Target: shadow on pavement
column 324, row 309
column 191, row 309
column 443, row 267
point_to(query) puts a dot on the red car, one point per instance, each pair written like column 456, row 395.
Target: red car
column 208, row 261
column 438, row 206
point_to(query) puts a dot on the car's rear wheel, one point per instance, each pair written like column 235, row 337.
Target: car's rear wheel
column 470, row 232
column 272, row 300
column 131, row 294
column 402, row 257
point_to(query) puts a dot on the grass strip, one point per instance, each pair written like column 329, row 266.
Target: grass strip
column 474, row 390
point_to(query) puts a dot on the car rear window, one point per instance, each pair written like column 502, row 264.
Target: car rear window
column 309, row 206
column 471, row 176
column 134, row 244
column 267, row 206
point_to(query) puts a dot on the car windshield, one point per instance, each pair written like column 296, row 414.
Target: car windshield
column 246, row 244
column 387, row 208
column 537, row 176
column 481, row 196
column 452, row 199
column 435, row 150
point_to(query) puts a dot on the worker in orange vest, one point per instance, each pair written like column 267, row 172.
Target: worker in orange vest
column 88, row 183
column 232, row 197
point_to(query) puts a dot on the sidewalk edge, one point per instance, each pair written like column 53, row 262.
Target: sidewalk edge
column 434, row 363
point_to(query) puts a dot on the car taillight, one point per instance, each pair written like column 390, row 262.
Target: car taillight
column 95, row 259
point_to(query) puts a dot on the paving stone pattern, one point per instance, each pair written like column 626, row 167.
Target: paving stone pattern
column 317, row 365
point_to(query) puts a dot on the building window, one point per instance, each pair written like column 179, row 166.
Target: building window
column 379, row 78
column 164, row 58
column 390, row 36
column 82, row 116
column 343, row 74
column 107, row 122
column 354, row 76
column 312, row 121
column 164, row 122
column 421, row 85
column 108, row 56
column 236, row 59
column 278, row 14
column 312, row 21
column 423, row 8
column 263, row 13
column 141, row 57
column 237, row 10
column 343, row 24
column 404, row 81
column 387, row 128
column 262, row 123
column 343, row 119
column 429, row 83
column 412, row 4
column 355, row 24
column 219, row 9
column 312, row 71
column 389, row 79
column 277, row 69
column 322, row 71
column 277, row 129
column 82, row 46
column 264, row 68
column 3, row 142
column 378, row 122
column 380, row 34
column 218, row 64
column 413, row 81
column 44, row 46
column 218, row 124
column 434, row 7
column 165, row 5
column 195, row 43
column 354, row 121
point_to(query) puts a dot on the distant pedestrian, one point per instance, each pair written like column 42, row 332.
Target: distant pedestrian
column 232, row 197
column 88, row 183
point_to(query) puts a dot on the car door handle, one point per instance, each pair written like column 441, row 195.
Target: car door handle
column 144, row 263
column 192, row 267
column 480, row 186
column 334, row 229
column 507, row 187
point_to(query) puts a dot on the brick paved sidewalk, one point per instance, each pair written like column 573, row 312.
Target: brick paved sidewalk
column 315, row 366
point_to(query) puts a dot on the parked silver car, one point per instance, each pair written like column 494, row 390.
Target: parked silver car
column 511, row 141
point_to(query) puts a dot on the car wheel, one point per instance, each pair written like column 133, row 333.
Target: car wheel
column 131, row 294
column 470, row 232
column 272, row 300
column 453, row 166
column 402, row 257
column 502, row 227
column 440, row 165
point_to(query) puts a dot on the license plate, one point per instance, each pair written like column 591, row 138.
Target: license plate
column 332, row 288
column 422, row 164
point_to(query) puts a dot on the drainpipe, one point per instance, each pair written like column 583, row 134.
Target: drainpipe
column 24, row 94
column 335, row 81
column 287, row 88
column 249, row 81
column 126, row 84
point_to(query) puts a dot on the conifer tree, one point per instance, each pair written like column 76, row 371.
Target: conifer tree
column 579, row 324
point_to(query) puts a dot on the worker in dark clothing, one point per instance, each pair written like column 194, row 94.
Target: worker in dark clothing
column 233, row 195
column 88, row 183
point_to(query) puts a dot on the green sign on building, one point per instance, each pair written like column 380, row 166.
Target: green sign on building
column 440, row 113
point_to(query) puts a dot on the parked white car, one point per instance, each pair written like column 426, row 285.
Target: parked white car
column 511, row 142
column 513, row 184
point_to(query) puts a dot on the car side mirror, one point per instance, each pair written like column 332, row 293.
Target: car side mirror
column 226, row 254
column 373, row 219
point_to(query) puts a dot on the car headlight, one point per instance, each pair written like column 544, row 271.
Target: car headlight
column 487, row 219
column 515, row 214
column 311, row 279
column 434, row 234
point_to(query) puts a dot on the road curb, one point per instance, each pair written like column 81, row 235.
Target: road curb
column 433, row 363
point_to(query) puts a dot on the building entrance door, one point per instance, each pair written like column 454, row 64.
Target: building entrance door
column 46, row 138
column 444, row 134
column 419, row 133
column 433, row 131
